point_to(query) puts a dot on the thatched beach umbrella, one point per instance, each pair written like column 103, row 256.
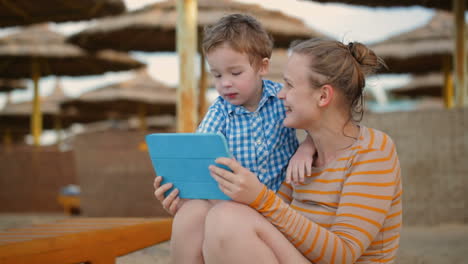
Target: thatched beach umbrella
column 8, row 85
column 141, row 96
column 458, row 7
column 25, row 12
column 421, row 50
column 36, row 51
column 439, row 4
column 153, row 28
column 421, row 85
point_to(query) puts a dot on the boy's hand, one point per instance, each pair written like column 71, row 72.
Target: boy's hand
column 301, row 162
column 299, row 165
column 170, row 203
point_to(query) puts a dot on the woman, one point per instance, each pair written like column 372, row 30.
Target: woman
column 348, row 210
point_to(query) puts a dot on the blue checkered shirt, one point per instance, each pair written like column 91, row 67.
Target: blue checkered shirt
column 258, row 140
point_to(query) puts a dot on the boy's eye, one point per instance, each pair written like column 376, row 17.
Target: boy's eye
column 236, row 73
column 216, row 75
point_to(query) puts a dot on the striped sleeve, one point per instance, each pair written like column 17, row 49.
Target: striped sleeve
column 214, row 120
column 285, row 192
column 370, row 185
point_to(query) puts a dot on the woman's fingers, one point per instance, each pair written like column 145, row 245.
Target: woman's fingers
column 174, row 206
column 159, row 192
column 169, row 200
column 231, row 163
column 222, row 181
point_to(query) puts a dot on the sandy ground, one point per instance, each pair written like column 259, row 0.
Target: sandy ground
column 419, row 245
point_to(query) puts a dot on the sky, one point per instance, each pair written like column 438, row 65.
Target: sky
column 343, row 22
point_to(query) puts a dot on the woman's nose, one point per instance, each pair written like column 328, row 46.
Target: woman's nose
column 281, row 93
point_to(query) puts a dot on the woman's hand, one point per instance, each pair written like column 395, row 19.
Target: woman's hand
column 170, row 203
column 241, row 185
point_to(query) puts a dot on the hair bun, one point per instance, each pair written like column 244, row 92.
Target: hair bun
column 366, row 58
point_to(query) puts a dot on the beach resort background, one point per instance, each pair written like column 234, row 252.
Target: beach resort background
column 339, row 21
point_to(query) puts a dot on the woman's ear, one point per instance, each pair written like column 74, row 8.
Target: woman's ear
column 264, row 66
column 327, row 93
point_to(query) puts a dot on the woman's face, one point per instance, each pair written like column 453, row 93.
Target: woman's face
column 298, row 95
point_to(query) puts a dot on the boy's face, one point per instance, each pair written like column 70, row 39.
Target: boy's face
column 236, row 80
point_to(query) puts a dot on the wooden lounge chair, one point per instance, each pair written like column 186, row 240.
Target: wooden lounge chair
column 75, row 240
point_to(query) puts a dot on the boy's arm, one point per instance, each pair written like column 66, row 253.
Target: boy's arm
column 301, row 162
column 214, row 120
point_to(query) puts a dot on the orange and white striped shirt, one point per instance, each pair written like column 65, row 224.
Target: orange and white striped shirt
column 347, row 211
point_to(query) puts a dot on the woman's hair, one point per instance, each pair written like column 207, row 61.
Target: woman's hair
column 344, row 67
column 243, row 33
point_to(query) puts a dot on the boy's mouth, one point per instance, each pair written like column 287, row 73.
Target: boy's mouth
column 231, row 95
column 288, row 109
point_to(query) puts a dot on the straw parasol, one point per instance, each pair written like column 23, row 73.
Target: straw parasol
column 131, row 31
column 421, row 50
column 153, row 27
column 36, row 51
column 25, row 12
column 439, row 4
column 142, row 96
column 458, row 8
column 422, row 85
column 8, row 85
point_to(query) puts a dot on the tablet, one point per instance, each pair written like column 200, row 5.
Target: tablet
column 183, row 159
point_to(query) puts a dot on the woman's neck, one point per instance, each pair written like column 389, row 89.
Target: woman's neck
column 331, row 138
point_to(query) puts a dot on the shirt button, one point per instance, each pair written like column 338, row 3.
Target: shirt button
column 258, row 142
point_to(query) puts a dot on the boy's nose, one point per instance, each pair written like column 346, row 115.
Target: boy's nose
column 225, row 82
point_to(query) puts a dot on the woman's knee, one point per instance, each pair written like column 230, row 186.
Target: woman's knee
column 191, row 216
column 227, row 219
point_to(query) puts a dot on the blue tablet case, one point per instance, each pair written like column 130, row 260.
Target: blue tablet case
column 183, row 159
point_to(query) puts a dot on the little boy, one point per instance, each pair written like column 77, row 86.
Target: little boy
column 247, row 111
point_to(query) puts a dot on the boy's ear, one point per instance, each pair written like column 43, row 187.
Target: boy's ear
column 327, row 93
column 264, row 66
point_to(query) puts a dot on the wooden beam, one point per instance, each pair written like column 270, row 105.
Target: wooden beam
column 459, row 56
column 36, row 115
column 448, row 83
column 187, row 96
column 202, row 102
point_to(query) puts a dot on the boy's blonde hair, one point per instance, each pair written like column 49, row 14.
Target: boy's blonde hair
column 243, row 33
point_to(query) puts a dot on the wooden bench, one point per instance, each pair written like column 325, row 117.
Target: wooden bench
column 76, row 240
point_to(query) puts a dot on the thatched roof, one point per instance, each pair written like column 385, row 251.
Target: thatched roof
column 420, row 50
column 7, row 85
column 440, row 4
column 125, row 99
column 422, row 85
column 24, row 12
column 153, row 28
column 17, row 115
column 55, row 56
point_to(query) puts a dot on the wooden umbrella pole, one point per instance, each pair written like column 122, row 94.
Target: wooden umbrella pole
column 7, row 139
column 202, row 103
column 460, row 53
column 186, row 48
column 448, row 83
column 142, row 117
column 58, row 128
column 36, row 120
